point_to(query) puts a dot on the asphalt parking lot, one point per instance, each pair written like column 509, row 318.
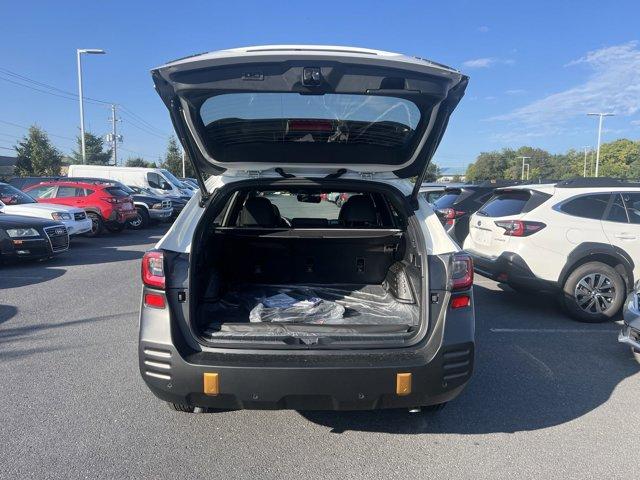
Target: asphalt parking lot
column 550, row 398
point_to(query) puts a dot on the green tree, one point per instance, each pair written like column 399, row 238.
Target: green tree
column 620, row 159
column 138, row 162
column 172, row 160
column 94, row 150
column 36, row 155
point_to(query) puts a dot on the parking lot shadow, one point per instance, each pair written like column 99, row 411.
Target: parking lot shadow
column 7, row 312
column 534, row 369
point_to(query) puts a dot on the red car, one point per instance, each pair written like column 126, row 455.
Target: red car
column 107, row 205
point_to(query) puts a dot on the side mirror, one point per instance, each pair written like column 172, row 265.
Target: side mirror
column 165, row 186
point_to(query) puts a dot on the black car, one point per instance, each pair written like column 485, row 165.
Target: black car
column 31, row 237
column 178, row 203
column 457, row 204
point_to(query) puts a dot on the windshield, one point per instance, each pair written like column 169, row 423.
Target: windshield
column 12, row 196
column 173, row 180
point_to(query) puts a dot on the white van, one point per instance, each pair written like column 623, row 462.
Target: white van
column 159, row 180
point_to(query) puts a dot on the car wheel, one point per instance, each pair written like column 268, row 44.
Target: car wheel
column 115, row 227
column 181, row 407
column 97, row 225
column 141, row 221
column 593, row 292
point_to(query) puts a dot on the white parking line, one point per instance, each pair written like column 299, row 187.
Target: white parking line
column 549, row 330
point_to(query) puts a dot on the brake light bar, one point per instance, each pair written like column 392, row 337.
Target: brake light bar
column 520, row 228
column 461, row 272
column 153, row 269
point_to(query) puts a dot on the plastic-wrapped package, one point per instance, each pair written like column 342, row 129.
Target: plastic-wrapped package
column 284, row 307
column 340, row 305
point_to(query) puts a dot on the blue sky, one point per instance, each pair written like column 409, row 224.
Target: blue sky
column 536, row 67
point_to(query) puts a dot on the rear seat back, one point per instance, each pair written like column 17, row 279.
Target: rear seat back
column 263, row 259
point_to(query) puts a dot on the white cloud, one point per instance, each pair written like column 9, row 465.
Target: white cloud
column 515, row 91
column 483, row 29
column 486, row 62
column 635, row 122
column 613, row 86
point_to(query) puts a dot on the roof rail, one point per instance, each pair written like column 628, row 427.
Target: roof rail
column 606, row 182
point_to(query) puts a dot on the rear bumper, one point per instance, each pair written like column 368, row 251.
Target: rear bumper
column 440, row 367
column 160, row 214
column 509, row 268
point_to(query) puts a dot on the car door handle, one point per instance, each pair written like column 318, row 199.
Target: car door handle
column 625, row 236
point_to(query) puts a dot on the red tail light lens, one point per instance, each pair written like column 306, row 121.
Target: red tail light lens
column 520, row 228
column 153, row 269
column 461, row 272
column 450, row 214
column 110, row 199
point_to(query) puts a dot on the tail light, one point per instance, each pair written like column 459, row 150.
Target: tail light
column 153, row 269
column 450, row 214
column 110, row 199
column 461, row 272
column 520, row 228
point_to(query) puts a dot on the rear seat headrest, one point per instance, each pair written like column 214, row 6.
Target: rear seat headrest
column 258, row 212
column 358, row 210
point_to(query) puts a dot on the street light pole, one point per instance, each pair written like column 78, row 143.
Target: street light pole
column 601, row 115
column 523, row 159
column 79, row 52
column 585, row 160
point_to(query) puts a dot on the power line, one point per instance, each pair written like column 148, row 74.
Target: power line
column 142, row 120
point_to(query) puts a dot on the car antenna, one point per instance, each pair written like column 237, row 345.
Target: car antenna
column 284, row 174
column 336, row 174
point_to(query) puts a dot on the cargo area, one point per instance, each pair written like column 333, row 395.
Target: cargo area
column 307, row 264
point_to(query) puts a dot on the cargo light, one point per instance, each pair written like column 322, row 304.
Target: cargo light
column 153, row 269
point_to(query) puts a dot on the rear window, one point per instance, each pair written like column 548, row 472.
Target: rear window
column 504, row 204
column 447, row 199
column 382, row 127
column 116, row 192
column 587, row 206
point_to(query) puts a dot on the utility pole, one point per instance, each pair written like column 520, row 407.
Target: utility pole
column 601, row 115
column 585, row 160
column 113, row 137
column 523, row 159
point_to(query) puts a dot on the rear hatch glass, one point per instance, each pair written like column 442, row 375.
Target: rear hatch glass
column 447, row 199
column 117, row 192
column 504, row 204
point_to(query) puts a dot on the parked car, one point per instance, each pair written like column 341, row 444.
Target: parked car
column 177, row 203
column 433, row 191
column 106, row 205
column 13, row 201
column 357, row 326
column 578, row 237
column 149, row 207
column 456, row 205
column 191, row 181
column 159, row 180
column 630, row 333
column 31, row 237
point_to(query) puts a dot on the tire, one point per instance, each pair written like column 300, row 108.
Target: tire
column 180, row 407
column 593, row 293
column 115, row 227
column 141, row 221
column 97, row 225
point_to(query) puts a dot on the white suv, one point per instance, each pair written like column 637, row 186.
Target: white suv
column 579, row 237
column 262, row 295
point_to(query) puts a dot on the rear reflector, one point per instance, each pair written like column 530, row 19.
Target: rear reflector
column 211, row 383
column 460, row 301
column 403, row 384
column 155, row 300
